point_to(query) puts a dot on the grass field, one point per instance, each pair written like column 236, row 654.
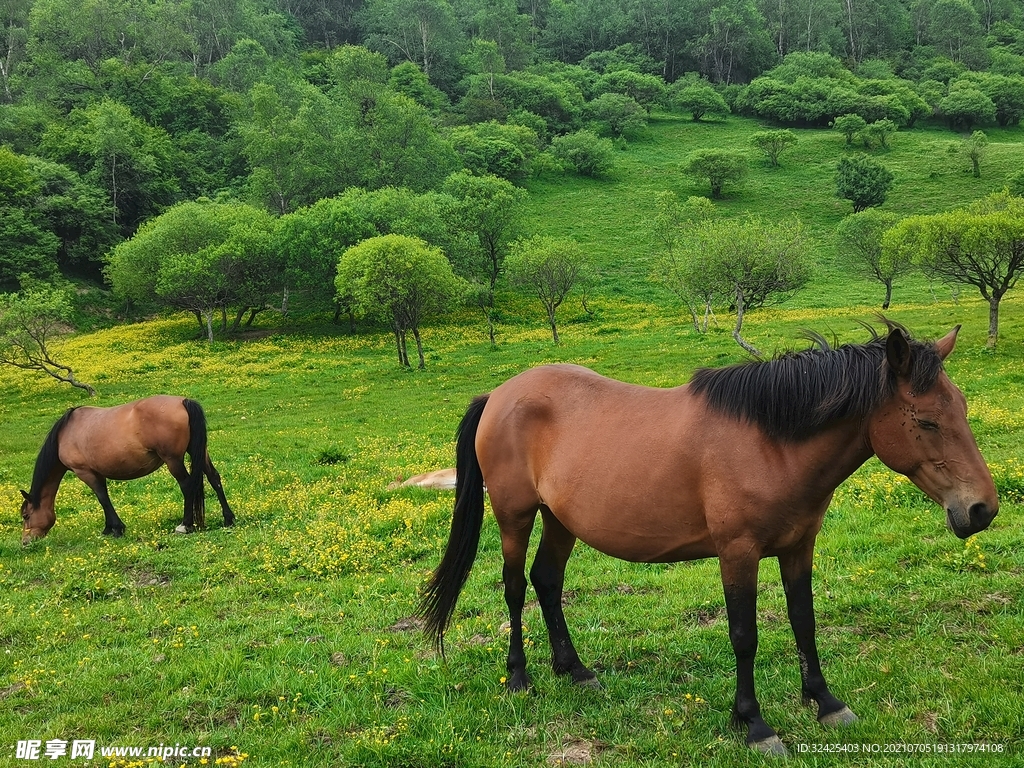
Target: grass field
column 287, row 640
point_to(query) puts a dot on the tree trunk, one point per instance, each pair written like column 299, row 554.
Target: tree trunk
column 739, row 325
column 888, row 294
column 490, row 325
column 238, row 320
column 398, row 344
column 252, row 316
column 551, row 320
column 284, row 300
column 993, row 321
column 208, row 317
column 976, row 166
column 419, row 347
column 223, row 319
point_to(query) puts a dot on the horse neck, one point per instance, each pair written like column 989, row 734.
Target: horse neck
column 48, row 488
column 835, row 453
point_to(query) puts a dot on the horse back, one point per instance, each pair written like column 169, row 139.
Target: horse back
column 126, row 441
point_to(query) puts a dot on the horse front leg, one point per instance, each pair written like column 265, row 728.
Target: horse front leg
column 112, row 523
column 739, row 567
column 795, row 568
column 548, row 577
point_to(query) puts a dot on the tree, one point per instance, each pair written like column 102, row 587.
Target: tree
column 966, row 107
column 862, row 181
column 488, row 211
column 980, row 245
column 682, row 271
column 310, row 240
column 751, row 262
column 716, row 166
column 549, row 267
column 859, row 238
column 773, row 143
column 879, row 131
column 31, row 325
column 699, row 99
column 620, row 114
column 849, row 125
column 585, row 152
column 401, row 280
column 974, row 148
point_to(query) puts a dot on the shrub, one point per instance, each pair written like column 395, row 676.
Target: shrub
column 584, row 151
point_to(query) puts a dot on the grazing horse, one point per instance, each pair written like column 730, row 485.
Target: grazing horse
column 123, row 443
column 740, row 464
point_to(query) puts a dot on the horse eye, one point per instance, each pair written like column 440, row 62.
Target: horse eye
column 925, row 424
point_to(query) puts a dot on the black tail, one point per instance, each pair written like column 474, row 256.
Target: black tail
column 443, row 590
column 196, row 494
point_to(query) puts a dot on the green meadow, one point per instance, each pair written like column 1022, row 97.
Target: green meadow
column 291, row 639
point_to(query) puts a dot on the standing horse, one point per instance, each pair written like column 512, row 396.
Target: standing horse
column 123, row 443
column 740, row 464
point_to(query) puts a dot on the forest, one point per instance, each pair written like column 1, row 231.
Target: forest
column 275, row 115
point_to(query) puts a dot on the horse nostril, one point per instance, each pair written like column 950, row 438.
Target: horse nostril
column 981, row 513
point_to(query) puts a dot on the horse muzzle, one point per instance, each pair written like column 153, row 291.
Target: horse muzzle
column 967, row 523
column 29, row 535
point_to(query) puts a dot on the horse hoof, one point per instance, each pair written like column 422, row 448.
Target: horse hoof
column 518, row 683
column 116, row 533
column 588, row 682
column 771, row 746
column 183, row 529
column 842, row 717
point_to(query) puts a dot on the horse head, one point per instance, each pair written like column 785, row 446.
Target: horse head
column 921, row 431
column 37, row 519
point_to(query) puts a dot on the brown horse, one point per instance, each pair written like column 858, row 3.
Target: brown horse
column 123, row 443
column 740, row 464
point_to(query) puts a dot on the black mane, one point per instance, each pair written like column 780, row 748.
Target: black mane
column 48, row 457
column 797, row 394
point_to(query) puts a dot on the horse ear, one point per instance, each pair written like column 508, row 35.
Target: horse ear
column 897, row 352
column 946, row 343
column 25, row 495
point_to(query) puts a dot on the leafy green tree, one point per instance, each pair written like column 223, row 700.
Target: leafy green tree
column 716, row 166
column 859, row 239
column 879, row 131
column 964, row 108
column 686, row 274
column 981, row 244
column 646, row 90
column 773, row 143
column 25, row 247
column 1007, row 94
column 310, row 240
column 862, row 181
column 699, row 99
column 504, row 150
column 849, row 125
column 31, row 326
column 409, row 80
column 401, row 280
column 550, row 268
column 424, row 32
column 954, row 29
column 489, row 213
column 621, row 115
column 585, row 152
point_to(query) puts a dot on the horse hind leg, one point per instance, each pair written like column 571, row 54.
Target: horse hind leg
column 176, row 466
column 515, row 538
column 548, row 577
column 214, row 477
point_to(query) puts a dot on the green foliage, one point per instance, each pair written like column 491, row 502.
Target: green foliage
column 878, row 132
column 974, row 148
column 682, row 270
column 850, row 126
column 699, row 99
column 773, row 143
column 617, row 115
column 862, row 181
column 401, row 280
column 585, row 152
column 981, row 245
column 408, row 79
column 716, row 166
column 966, row 107
column 31, row 325
column 310, row 240
column 859, row 246
column 505, row 150
column 549, row 268
column 646, row 90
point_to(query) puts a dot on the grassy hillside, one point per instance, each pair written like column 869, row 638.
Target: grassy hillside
column 287, row 639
